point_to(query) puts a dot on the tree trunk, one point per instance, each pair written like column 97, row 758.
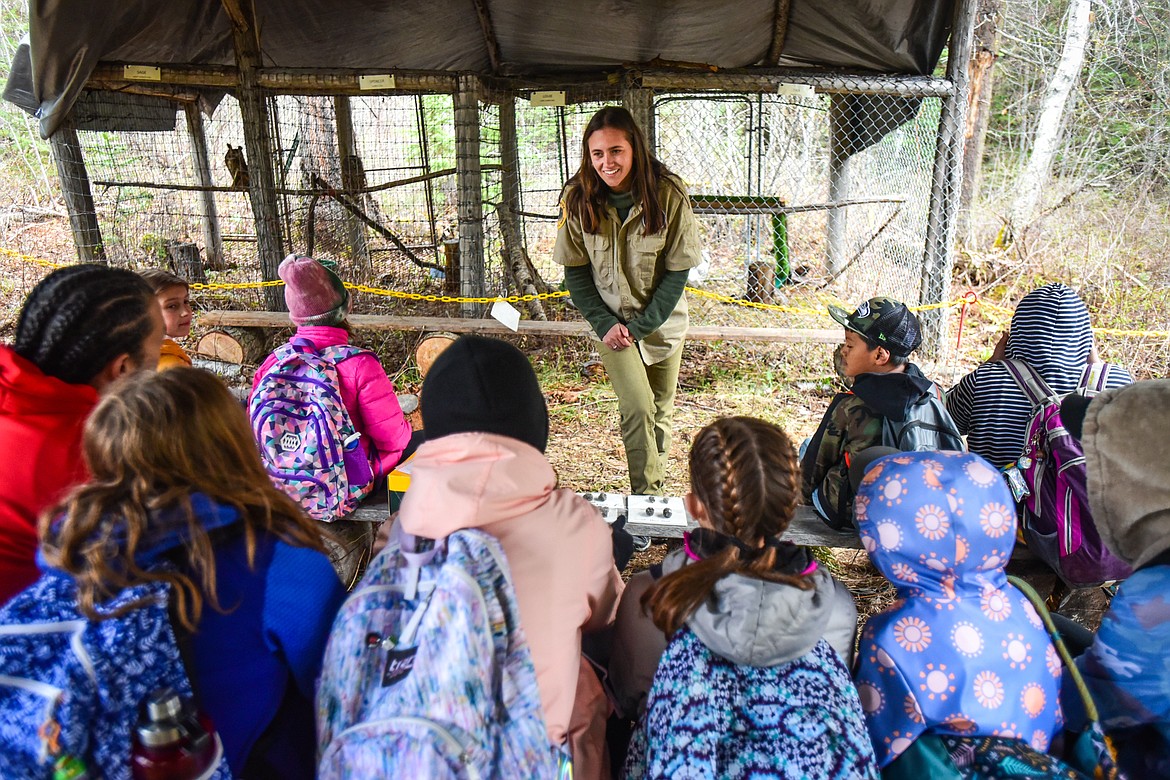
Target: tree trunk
column 980, row 73
column 1056, row 99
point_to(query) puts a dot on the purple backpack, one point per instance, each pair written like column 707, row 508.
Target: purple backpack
column 1054, row 514
column 307, row 440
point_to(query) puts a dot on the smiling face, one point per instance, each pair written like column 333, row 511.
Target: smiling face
column 612, row 157
column 175, row 303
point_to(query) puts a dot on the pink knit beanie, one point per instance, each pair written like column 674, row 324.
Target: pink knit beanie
column 313, row 293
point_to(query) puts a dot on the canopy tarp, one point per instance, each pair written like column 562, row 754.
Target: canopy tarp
column 68, row 38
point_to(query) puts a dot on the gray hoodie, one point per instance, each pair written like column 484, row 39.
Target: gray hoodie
column 746, row 620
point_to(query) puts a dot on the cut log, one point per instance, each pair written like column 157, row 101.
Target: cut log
column 429, row 350
column 234, row 345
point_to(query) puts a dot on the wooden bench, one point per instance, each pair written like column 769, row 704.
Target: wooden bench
column 232, row 333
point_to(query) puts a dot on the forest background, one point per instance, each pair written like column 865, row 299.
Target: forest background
column 1093, row 215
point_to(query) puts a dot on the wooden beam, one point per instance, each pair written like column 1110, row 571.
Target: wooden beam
column 379, row 322
column 112, row 76
column 352, row 178
column 469, row 192
column 74, row 178
column 212, row 241
column 262, row 178
column 489, row 34
column 779, row 31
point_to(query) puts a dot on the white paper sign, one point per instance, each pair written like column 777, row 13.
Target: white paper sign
column 381, row 81
column 548, row 98
column 507, row 314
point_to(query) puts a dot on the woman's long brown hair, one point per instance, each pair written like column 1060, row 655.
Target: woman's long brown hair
column 586, row 193
column 745, row 472
column 154, row 441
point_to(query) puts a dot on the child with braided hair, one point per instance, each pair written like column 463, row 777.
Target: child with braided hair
column 81, row 327
column 753, row 678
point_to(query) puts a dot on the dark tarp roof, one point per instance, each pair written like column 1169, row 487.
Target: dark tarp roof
column 69, row 37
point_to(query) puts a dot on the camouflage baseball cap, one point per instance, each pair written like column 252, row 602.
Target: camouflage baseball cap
column 884, row 322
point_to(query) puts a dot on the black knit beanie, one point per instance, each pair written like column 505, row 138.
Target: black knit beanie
column 484, row 385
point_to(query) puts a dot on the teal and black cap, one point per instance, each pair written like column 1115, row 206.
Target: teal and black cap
column 884, row 322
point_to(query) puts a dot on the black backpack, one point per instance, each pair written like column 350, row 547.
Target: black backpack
column 928, row 426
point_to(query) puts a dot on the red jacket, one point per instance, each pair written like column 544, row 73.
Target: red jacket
column 40, row 458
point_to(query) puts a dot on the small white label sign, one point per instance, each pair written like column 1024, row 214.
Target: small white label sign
column 380, row 81
column 548, row 98
column 142, row 73
column 507, row 314
column 796, row 90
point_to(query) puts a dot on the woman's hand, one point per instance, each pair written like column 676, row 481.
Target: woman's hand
column 618, row 338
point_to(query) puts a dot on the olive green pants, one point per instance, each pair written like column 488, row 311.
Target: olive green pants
column 646, row 401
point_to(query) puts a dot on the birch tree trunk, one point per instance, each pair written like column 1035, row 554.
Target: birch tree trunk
column 1056, row 98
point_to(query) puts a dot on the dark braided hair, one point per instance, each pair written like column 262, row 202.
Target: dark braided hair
column 81, row 317
column 745, row 473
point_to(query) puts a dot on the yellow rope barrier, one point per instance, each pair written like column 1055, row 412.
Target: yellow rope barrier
column 968, row 298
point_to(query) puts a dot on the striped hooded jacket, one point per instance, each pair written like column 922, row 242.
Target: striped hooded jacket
column 1050, row 331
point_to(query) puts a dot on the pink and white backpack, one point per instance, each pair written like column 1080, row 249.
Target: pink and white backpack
column 307, row 440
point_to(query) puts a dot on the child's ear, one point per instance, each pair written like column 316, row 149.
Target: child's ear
column 119, row 367
column 697, row 510
column 881, row 355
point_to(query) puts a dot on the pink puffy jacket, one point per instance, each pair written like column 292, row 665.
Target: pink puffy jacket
column 367, row 393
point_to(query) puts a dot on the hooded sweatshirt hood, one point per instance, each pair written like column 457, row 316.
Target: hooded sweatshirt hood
column 1051, row 332
column 961, row 651
column 25, row 389
column 754, row 622
column 1129, row 469
column 892, row 394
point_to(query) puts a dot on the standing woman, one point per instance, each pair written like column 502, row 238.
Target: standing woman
column 627, row 238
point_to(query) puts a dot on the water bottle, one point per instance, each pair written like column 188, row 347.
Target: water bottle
column 171, row 742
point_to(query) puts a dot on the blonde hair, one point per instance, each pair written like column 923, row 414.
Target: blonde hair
column 154, row 441
column 745, row 473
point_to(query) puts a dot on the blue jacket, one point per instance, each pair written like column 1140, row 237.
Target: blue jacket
column 255, row 665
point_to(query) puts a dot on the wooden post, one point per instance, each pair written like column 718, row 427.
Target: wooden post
column 186, row 261
column 451, row 284
column 981, row 77
column 470, row 192
column 87, row 235
column 212, row 240
column 837, row 225
column 938, row 253
column 640, row 103
column 516, row 261
column 262, row 180
column 352, row 179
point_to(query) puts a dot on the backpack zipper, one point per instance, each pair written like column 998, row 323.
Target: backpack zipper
column 427, row 723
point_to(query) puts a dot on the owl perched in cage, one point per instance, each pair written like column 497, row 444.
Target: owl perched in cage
column 237, row 166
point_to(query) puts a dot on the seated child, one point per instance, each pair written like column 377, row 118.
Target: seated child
column 1050, row 332
column 80, row 328
column 483, row 466
column 174, row 299
column 1128, row 461
column 879, row 337
column 961, row 652
column 318, row 304
column 753, row 681
column 176, row 478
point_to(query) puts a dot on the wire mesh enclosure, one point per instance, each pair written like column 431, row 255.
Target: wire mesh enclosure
column 806, row 188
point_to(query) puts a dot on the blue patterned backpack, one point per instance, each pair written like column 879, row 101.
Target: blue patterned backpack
column 307, row 440
column 427, row 672
column 71, row 688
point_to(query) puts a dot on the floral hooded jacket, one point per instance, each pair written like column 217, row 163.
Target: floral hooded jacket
column 961, row 651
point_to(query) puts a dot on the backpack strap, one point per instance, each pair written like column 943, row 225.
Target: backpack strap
column 1095, row 378
column 1070, row 667
column 1028, row 380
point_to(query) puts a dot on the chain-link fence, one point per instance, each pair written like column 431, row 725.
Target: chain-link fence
column 804, row 191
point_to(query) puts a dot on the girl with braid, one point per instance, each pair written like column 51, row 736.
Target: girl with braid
column 82, row 327
column 753, row 638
